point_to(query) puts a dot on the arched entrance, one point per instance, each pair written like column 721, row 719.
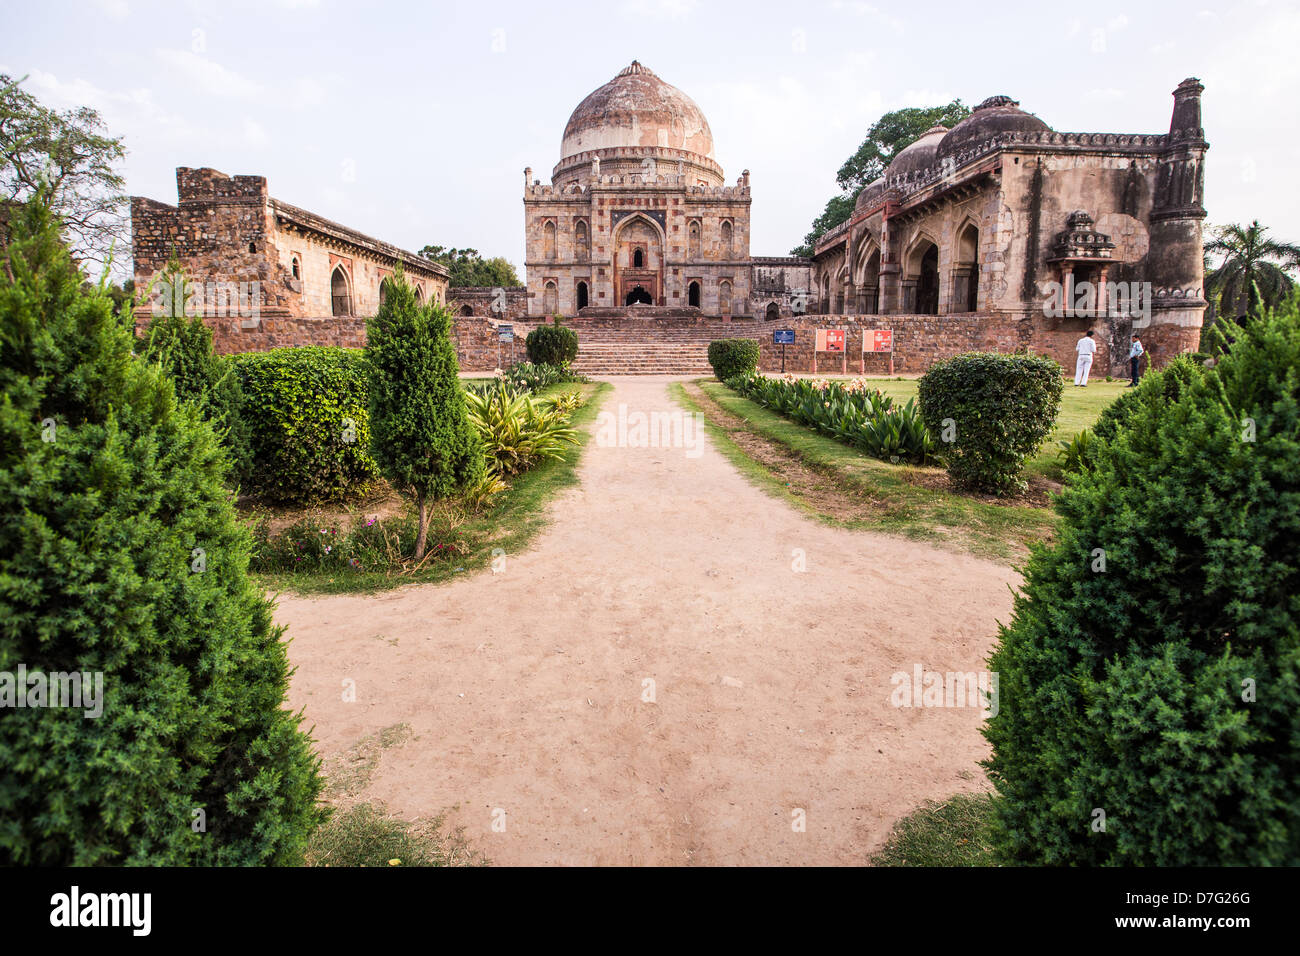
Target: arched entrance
column 965, row 274
column 340, row 292
column 921, row 279
column 693, row 294
column 638, row 261
column 773, row 311
column 582, row 295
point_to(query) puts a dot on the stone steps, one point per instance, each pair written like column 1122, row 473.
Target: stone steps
column 642, row 358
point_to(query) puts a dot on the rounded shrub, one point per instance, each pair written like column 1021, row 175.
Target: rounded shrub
column 1149, row 681
column 308, row 421
column 990, row 412
column 732, row 357
column 553, row 344
column 123, row 580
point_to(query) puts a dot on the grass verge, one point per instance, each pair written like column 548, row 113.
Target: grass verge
column 843, row 487
column 512, row 520
column 956, row 832
column 365, row 836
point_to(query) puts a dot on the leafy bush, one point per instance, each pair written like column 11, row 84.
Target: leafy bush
column 554, row 344
column 731, row 357
column 183, row 347
column 308, row 423
column 518, row 431
column 1163, row 686
column 990, row 412
column 421, row 435
column 852, row 412
column 534, row 378
column 121, row 557
column 314, row 545
column 1076, row 453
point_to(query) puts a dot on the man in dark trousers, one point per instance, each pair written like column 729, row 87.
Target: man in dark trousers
column 1134, row 360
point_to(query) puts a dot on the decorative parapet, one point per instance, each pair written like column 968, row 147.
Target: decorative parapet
column 1043, row 140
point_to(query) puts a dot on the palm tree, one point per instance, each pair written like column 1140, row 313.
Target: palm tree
column 1254, row 273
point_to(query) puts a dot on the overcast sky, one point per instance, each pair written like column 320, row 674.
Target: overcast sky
column 413, row 121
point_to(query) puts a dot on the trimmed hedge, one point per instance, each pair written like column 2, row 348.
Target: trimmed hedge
column 1162, row 687
column 732, row 357
column 554, row 344
column 122, row 562
column 309, row 426
column 990, row 412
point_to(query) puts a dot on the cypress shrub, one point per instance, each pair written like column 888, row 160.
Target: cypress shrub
column 183, row 347
column 421, row 435
column 553, row 344
column 990, row 412
column 121, row 556
column 1151, row 671
column 308, row 423
column 732, row 357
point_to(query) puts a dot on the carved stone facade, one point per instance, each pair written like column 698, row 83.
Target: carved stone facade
column 637, row 211
column 978, row 222
column 228, row 229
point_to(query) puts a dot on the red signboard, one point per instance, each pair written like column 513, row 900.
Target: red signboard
column 878, row 340
column 830, row 340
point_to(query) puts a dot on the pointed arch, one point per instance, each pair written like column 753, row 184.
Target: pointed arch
column 340, row 291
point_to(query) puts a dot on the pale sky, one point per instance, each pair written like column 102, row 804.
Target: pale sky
column 413, row 122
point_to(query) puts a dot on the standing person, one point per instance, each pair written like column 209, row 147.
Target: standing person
column 1085, row 347
column 1134, row 360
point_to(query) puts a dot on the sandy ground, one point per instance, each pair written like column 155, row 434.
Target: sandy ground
column 525, row 691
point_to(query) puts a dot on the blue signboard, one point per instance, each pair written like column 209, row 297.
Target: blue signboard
column 783, row 337
column 506, row 333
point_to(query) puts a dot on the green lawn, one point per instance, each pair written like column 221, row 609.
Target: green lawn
column 509, row 523
column 896, row 499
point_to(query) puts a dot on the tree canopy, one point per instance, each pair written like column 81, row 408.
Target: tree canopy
column 1253, row 273
column 894, row 131
column 468, row 268
column 70, row 152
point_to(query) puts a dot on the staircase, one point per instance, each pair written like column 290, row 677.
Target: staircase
column 650, row 347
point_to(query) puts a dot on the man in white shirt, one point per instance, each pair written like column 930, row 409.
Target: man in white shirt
column 1085, row 347
column 1134, row 360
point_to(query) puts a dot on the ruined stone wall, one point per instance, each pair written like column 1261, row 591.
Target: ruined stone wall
column 481, row 301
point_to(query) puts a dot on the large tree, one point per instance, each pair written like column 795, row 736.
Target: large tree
column 468, row 268
column 70, row 152
column 1253, row 271
column 894, row 131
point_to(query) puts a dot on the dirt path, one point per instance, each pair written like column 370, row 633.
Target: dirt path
column 523, row 690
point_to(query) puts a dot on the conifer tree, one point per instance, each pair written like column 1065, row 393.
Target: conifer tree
column 121, row 561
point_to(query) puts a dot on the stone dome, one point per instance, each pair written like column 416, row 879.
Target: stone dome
column 636, row 108
column 997, row 114
column 920, row 154
column 870, row 194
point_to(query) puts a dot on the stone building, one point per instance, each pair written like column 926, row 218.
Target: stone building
column 993, row 224
column 230, row 230
column 637, row 210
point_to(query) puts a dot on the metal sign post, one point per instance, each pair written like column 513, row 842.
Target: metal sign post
column 506, row 333
column 783, row 337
